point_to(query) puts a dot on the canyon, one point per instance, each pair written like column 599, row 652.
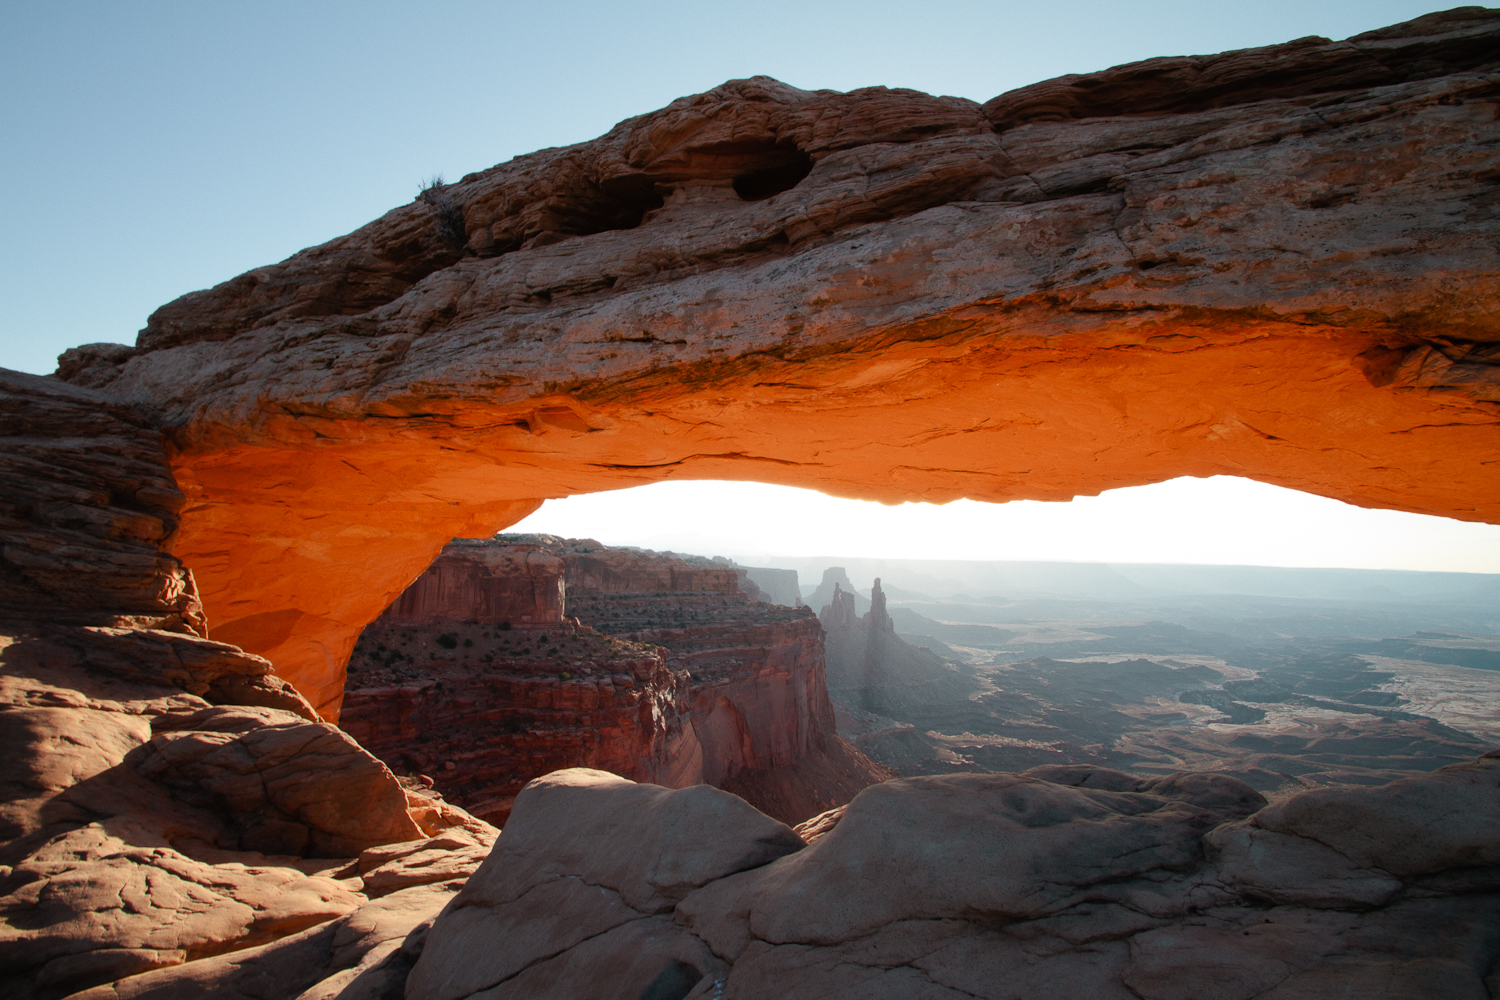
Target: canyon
column 513, row 657
column 1278, row 263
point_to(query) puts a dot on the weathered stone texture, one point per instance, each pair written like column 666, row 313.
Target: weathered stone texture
column 1062, row 882
column 88, row 512
column 160, row 791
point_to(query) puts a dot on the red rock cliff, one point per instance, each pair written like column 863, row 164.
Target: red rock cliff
column 663, row 669
column 520, row 586
column 480, row 710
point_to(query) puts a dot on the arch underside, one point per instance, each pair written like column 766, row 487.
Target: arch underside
column 954, row 301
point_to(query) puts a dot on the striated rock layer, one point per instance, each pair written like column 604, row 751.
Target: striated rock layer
column 164, row 798
column 1278, row 263
column 659, row 668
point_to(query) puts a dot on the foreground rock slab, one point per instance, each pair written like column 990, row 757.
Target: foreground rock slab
column 365, row 955
column 550, row 914
column 1061, row 882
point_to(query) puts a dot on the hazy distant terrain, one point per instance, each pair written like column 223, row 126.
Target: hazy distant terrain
column 1285, row 677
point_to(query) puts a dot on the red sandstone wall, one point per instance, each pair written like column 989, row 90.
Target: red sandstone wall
column 502, row 727
column 758, row 698
column 472, row 580
column 733, row 693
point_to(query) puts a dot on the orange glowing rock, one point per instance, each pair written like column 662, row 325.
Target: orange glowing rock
column 1277, row 264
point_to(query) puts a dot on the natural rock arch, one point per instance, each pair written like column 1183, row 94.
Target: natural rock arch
column 1278, row 263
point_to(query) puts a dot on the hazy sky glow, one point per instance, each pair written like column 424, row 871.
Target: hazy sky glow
column 154, row 148
column 1221, row 520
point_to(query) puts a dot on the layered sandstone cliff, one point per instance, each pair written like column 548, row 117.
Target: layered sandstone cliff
column 656, row 667
column 1276, row 263
column 163, row 797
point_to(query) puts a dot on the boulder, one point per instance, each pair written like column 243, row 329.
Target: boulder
column 290, row 786
column 550, row 912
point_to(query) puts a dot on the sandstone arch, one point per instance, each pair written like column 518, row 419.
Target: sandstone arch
column 1278, row 263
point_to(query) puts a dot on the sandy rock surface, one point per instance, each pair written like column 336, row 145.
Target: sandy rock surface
column 293, row 786
column 364, row 955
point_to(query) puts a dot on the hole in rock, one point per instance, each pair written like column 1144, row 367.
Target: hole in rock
column 781, row 169
column 616, row 203
column 793, row 648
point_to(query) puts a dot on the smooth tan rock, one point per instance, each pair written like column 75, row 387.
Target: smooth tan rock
column 649, row 957
column 1068, row 882
column 477, row 948
column 961, row 845
column 47, row 750
column 83, row 894
column 292, row 786
column 1411, row 827
column 667, row 842
column 629, row 851
column 364, row 955
column 1267, row 267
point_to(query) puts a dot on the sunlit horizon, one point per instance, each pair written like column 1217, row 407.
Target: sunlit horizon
column 1221, row 520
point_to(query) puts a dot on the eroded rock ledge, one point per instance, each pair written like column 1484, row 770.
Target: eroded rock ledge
column 1277, row 263
column 165, row 798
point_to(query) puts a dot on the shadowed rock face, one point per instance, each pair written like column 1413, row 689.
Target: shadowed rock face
column 1277, row 263
column 160, row 792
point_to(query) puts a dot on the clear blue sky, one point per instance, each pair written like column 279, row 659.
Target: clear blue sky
column 148, row 148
